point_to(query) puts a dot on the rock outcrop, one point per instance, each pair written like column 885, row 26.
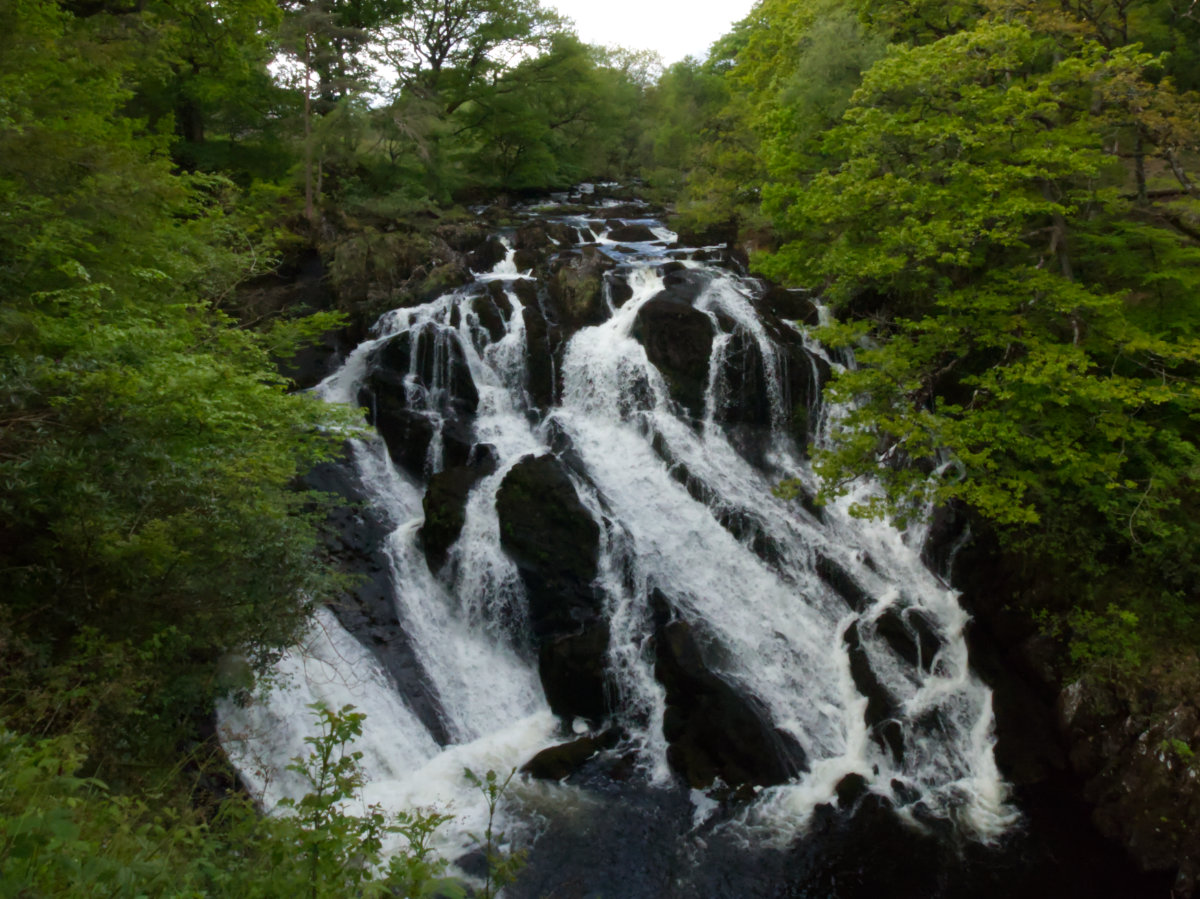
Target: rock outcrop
column 554, row 542
column 678, row 340
column 715, row 730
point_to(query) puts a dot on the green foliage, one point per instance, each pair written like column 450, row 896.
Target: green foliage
column 147, row 445
column 1012, row 312
column 66, row 835
column 331, row 852
column 1110, row 637
column 1180, row 749
column 502, row 866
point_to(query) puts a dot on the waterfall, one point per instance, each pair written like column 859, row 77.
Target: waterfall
column 666, row 411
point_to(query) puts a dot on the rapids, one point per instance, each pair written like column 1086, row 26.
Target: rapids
column 828, row 628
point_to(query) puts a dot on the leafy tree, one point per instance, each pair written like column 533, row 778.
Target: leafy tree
column 556, row 118
column 444, row 49
column 147, row 447
column 1015, row 313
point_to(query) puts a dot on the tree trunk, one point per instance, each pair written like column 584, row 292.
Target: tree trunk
column 309, row 205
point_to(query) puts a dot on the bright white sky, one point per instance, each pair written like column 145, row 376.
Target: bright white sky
column 673, row 28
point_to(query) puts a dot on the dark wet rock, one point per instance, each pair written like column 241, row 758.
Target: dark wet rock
column 445, row 504
column 712, row 235
column 882, row 707
column 553, row 540
column 457, row 442
column 850, row 789
column 682, row 284
column 789, row 304
column 558, row 762
column 354, row 537
column 946, row 532
column 407, row 434
column 713, row 729
column 532, row 236
column 842, row 583
column 748, row 399
column 441, row 279
column 890, row 734
column 486, row 257
column 804, row 376
column 622, row 233
column 536, row 241
column 464, row 237
column 576, row 290
column 619, row 290
column 434, row 358
column 1140, row 767
column 911, row 633
column 1029, row 748
column 573, row 669
column 628, row 211
column 542, row 338
column 492, row 317
column 678, row 341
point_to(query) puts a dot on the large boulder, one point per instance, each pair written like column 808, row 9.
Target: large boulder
column 748, row 395
column 678, row 341
column 492, row 309
column 842, row 583
column 485, row 257
column 573, row 671
column 411, row 376
column 407, row 434
column 543, row 338
column 713, row 729
column 563, row 760
column 623, row 233
column 912, row 633
column 434, row 360
column 554, row 542
column 576, row 290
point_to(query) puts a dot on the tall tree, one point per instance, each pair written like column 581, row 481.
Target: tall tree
column 976, row 228
column 147, row 523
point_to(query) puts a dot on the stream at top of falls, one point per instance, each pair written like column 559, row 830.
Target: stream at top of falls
column 827, row 633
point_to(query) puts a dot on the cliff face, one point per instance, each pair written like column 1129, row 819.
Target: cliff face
column 1117, row 742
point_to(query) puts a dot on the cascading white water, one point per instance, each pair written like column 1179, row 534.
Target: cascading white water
column 782, row 628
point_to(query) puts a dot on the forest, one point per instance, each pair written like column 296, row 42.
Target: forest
column 997, row 203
